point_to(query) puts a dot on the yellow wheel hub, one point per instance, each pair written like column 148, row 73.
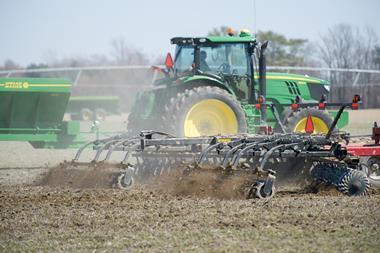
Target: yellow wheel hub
column 210, row 117
column 319, row 126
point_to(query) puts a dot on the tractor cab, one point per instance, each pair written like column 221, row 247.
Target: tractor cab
column 228, row 59
column 214, row 57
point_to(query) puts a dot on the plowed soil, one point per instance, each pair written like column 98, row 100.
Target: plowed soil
column 70, row 213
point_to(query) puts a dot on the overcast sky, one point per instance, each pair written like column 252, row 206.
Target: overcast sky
column 33, row 29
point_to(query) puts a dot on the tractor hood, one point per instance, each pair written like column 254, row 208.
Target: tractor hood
column 294, row 77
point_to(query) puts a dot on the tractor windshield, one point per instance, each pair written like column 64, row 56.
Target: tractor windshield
column 228, row 58
column 225, row 58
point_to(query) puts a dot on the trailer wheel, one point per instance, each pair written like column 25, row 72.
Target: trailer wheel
column 125, row 179
column 296, row 121
column 205, row 111
column 373, row 173
column 86, row 114
column 100, row 114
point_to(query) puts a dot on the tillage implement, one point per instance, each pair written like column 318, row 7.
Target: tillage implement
column 258, row 157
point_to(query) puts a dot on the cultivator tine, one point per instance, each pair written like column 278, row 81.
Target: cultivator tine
column 270, row 152
column 128, row 153
column 230, row 153
column 94, row 144
column 102, row 148
column 237, row 155
column 211, row 147
column 124, row 142
column 80, row 150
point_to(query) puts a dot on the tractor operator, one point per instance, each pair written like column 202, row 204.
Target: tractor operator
column 203, row 64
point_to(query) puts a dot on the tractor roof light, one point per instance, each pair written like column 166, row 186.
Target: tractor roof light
column 230, row 31
column 245, row 33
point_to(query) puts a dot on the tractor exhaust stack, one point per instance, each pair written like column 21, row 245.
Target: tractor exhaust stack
column 262, row 78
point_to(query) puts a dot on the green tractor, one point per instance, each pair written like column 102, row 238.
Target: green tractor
column 213, row 85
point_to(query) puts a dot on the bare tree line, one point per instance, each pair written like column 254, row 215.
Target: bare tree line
column 344, row 46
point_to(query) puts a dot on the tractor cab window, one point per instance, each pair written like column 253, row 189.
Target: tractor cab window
column 228, row 58
column 184, row 58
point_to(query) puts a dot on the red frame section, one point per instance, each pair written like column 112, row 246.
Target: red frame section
column 368, row 150
column 364, row 150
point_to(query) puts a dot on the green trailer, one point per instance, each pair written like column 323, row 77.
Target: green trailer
column 93, row 107
column 32, row 110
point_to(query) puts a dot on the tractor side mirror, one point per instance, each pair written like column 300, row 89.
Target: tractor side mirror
column 169, row 61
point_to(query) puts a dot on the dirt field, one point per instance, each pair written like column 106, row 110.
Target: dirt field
column 85, row 214
column 361, row 121
column 63, row 219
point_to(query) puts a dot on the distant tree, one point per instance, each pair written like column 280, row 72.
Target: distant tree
column 9, row 65
column 218, row 31
column 283, row 51
column 376, row 57
column 36, row 66
column 125, row 55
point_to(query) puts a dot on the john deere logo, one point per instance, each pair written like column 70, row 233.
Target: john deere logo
column 16, row 85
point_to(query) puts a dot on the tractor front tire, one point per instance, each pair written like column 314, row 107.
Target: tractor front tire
column 296, row 121
column 204, row 111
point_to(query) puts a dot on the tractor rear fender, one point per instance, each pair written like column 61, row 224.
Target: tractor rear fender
column 197, row 81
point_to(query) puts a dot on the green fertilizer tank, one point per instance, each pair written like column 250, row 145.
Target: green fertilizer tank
column 32, row 109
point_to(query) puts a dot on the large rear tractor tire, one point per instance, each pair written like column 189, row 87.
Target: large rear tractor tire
column 296, row 121
column 204, row 111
